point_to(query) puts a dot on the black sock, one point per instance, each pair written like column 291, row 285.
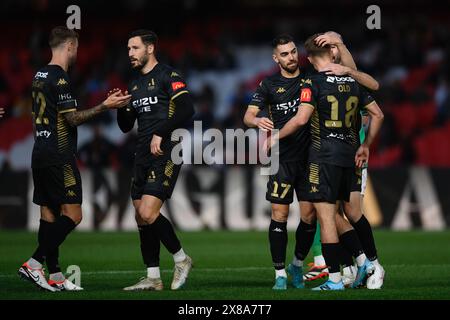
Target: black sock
column 365, row 235
column 351, row 245
column 52, row 257
column 57, row 232
column 304, row 238
column 166, row 234
column 150, row 245
column 278, row 240
column 332, row 253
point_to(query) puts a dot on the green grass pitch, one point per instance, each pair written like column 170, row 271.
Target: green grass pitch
column 227, row 265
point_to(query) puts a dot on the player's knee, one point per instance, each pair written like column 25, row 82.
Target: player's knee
column 73, row 211
column 280, row 215
column 138, row 218
column 147, row 214
column 352, row 214
column 308, row 216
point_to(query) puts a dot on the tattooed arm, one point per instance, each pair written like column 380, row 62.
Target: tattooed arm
column 114, row 101
column 76, row 118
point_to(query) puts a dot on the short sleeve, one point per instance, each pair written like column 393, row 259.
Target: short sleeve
column 65, row 100
column 309, row 92
column 175, row 84
column 365, row 98
column 260, row 97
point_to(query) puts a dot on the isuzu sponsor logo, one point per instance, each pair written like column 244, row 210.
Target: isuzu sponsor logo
column 144, row 104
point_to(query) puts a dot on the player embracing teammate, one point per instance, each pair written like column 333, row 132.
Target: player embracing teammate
column 332, row 104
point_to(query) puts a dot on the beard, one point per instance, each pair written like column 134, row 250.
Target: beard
column 140, row 63
column 290, row 69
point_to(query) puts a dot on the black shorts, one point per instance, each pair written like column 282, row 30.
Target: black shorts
column 57, row 185
column 329, row 183
column 357, row 180
column 290, row 176
column 157, row 178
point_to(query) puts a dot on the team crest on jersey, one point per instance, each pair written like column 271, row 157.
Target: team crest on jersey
column 281, row 90
column 305, row 95
column 134, row 88
column 174, row 74
column 151, row 84
column 61, row 82
column 307, row 81
column 151, row 177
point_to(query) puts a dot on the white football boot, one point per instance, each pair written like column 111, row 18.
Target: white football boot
column 35, row 276
column 375, row 281
column 153, row 284
column 64, row 285
column 181, row 273
column 348, row 275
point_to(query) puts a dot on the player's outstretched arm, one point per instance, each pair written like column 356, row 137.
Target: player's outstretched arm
column 362, row 78
column 348, row 65
column 114, row 101
column 300, row 119
column 252, row 121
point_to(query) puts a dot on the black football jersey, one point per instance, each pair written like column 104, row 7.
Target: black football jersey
column 281, row 97
column 52, row 95
column 335, row 122
column 151, row 99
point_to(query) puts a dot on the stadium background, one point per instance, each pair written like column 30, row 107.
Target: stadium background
column 223, row 50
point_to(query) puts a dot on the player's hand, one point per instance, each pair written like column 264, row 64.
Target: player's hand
column 330, row 37
column 337, row 69
column 117, row 100
column 110, row 92
column 155, row 146
column 265, row 124
column 362, row 156
column 2, row 111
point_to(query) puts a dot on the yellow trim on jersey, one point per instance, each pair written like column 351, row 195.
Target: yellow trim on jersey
column 369, row 104
column 68, row 110
column 179, row 94
column 253, row 106
column 307, row 104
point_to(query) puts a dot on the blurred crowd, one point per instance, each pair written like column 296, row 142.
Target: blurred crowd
column 409, row 56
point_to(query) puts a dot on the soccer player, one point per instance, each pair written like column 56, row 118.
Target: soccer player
column 279, row 93
column 57, row 182
column 353, row 208
column 160, row 103
column 333, row 104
